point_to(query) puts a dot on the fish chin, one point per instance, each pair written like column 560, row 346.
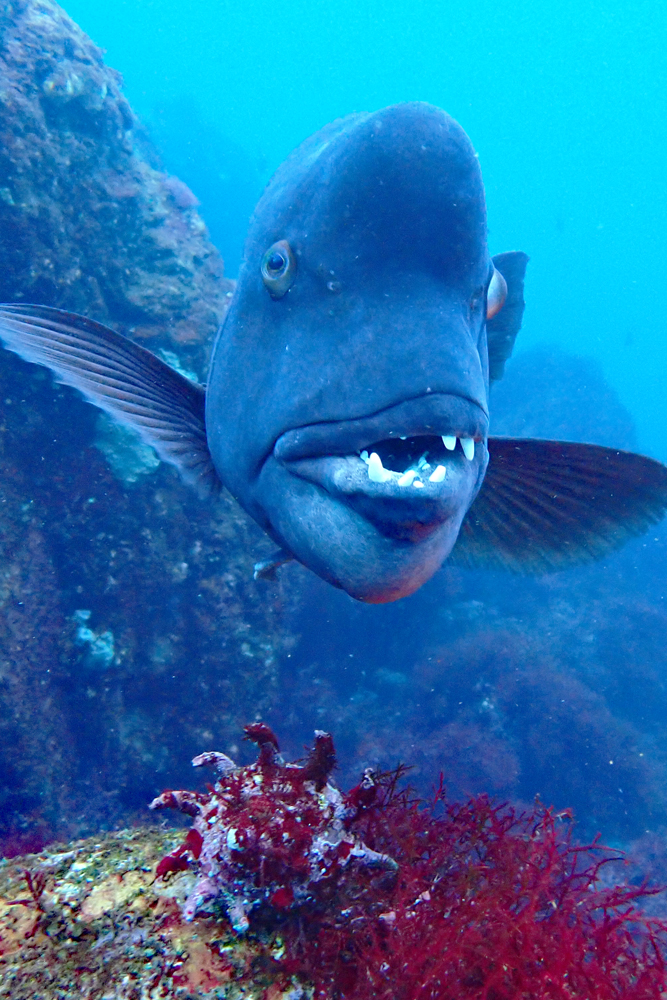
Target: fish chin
column 375, row 546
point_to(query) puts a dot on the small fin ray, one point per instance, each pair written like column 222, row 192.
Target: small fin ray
column 130, row 383
column 546, row 505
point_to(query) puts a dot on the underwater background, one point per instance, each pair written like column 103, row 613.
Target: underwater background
column 565, row 102
column 133, row 635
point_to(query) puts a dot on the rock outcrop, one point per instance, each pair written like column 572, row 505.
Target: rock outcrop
column 86, row 223
column 130, row 624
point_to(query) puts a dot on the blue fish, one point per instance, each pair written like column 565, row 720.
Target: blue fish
column 347, row 405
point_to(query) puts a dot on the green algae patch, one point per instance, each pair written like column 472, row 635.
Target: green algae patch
column 90, row 920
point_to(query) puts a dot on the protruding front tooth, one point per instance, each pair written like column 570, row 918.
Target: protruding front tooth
column 438, row 475
column 376, row 471
column 449, row 441
column 468, row 446
column 407, row 477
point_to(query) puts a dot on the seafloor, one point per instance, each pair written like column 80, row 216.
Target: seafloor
column 98, row 925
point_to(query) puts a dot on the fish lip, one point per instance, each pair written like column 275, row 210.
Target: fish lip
column 405, row 514
column 326, row 455
column 432, row 414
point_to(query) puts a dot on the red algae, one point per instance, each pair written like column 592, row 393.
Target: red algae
column 488, row 904
column 479, row 901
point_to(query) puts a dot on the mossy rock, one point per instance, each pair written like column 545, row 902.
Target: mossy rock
column 89, row 919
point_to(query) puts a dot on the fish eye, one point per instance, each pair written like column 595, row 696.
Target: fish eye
column 276, row 263
column 496, row 295
column 278, row 268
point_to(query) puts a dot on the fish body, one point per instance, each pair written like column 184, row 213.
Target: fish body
column 347, row 405
column 381, row 336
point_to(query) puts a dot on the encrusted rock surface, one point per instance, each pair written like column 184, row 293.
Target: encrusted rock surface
column 85, row 222
column 131, row 632
column 90, row 920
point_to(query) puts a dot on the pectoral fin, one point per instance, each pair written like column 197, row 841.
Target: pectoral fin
column 546, row 505
column 125, row 380
column 266, row 569
column 501, row 331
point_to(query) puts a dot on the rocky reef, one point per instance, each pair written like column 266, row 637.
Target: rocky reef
column 131, row 631
column 130, row 625
column 285, row 887
column 575, row 402
column 86, row 223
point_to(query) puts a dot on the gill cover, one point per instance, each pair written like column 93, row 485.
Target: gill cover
column 496, row 295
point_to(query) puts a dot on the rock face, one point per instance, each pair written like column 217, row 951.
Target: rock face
column 129, row 620
column 35, row 732
column 85, row 222
column 131, row 632
column 549, row 393
column 90, row 920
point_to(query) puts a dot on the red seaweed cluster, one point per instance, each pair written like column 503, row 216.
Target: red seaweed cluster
column 488, row 905
column 485, row 903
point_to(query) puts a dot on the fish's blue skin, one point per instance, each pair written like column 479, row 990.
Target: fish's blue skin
column 382, row 334
column 360, row 325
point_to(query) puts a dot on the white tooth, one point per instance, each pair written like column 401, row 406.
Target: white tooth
column 438, row 475
column 407, row 477
column 449, row 441
column 422, row 461
column 468, row 446
column 404, row 439
column 418, row 483
column 364, row 457
column 376, row 471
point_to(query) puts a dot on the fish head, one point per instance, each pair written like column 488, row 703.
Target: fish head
column 352, row 367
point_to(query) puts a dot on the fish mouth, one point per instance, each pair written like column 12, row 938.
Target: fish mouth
column 407, row 470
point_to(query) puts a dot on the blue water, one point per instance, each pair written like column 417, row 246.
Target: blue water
column 565, row 102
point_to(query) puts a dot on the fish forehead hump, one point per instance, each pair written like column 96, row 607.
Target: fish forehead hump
column 400, row 188
column 386, row 217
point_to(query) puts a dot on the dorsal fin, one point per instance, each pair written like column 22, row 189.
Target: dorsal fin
column 546, row 505
column 127, row 381
column 501, row 331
